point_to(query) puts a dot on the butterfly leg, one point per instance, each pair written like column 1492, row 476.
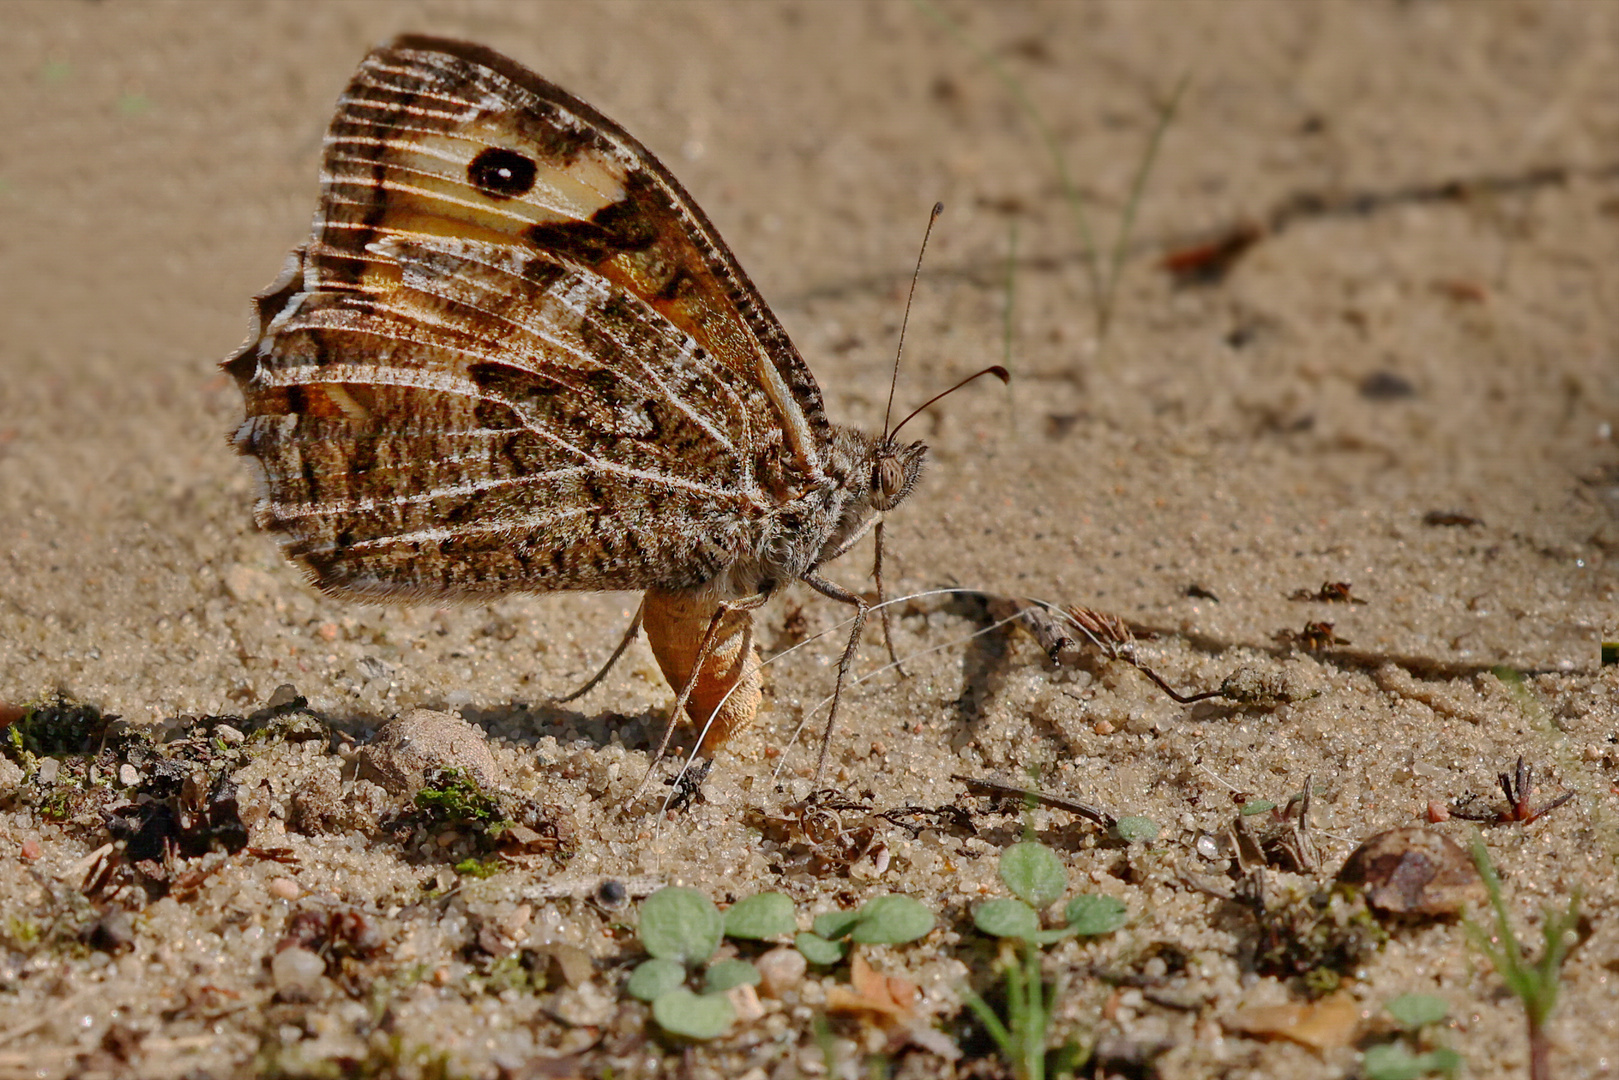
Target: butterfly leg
column 629, row 636
column 861, row 609
column 882, row 605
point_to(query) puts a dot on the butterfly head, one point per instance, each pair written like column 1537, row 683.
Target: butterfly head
column 895, row 469
column 869, row 474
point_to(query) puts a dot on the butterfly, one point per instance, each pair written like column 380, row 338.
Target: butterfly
column 514, row 355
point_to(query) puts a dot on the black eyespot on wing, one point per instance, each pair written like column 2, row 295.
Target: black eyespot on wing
column 501, row 173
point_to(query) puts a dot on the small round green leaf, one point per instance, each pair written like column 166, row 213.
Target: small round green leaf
column 1034, row 873
column 1005, row 917
column 1135, row 829
column 835, row 924
column 696, row 1016
column 653, row 978
column 1092, row 915
column 767, row 915
column 891, row 920
column 725, row 974
column 1415, row 1011
column 1392, row 1061
column 680, row 924
column 818, row 950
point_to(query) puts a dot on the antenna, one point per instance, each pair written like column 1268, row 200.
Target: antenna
column 993, row 369
column 938, row 208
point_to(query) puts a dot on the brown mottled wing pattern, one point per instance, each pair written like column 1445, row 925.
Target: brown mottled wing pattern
column 514, row 353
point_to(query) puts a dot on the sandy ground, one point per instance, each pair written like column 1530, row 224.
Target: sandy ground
column 1424, row 326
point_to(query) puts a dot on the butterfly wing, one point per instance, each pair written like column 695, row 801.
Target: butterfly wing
column 514, row 353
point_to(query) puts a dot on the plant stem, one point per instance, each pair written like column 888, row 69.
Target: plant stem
column 1540, row 1052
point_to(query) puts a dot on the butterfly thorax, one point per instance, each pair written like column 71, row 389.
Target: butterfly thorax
column 863, row 475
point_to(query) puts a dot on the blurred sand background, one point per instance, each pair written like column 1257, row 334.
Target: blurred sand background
column 1428, row 328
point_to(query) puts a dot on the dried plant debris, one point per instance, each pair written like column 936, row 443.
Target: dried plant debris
column 1065, row 634
column 1027, row 797
column 1317, row 636
column 1318, row 936
column 828, row 834
column 463, row 819
column 1414, row 871
column 1331, row 592
column 1206, row 262
column 1519, row 787
column 1451, row 518
column 57, row 728
column 1266, row 835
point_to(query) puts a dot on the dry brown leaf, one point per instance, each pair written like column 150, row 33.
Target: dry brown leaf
column 1321, row 1025
column 872, row 991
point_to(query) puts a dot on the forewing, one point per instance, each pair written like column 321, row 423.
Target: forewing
column 514, row 354
column 438, row 136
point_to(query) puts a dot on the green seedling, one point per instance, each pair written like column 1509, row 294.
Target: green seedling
column 759, row 918
column 680, row 930
column 1037, row 879
column 1535, row 983
column 1134, row 829
column 882, row 920
column 1416, row 1053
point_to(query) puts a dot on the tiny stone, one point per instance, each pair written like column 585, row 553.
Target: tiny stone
column 405, row 748
column 285, row 694
column 570, row 962
column 299, row 975
column 228, row 735
column 114, row 931
column 128, row 775
column 283, row 888
column 1103, row 727
column 745, row 1000
column 587, row 1005
column 780, row 970
column 48, row 769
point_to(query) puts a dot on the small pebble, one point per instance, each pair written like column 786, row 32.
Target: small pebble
column 1103, row 727
column 114, row 931
column 284, row 888
column 31, row 849
column 570, row 963
column 408, row 746
column 284, row 695
column 128, row 775
column 299, row 975
column 745, row 1000
column 780, row 970
column 48, row 770
column 228, row 735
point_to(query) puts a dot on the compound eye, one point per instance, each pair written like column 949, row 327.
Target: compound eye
column 889, row 478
